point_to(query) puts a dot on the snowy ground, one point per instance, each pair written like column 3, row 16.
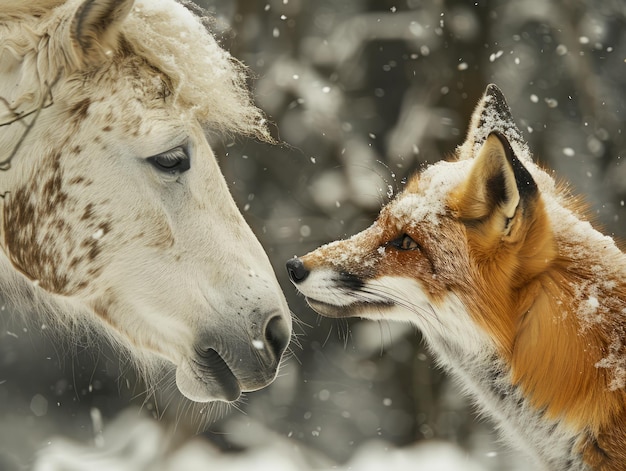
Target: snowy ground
column 133, row 443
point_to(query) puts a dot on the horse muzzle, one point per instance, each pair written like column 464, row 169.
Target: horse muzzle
column 222, row 366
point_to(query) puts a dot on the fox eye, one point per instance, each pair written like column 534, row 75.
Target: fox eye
column 405, row 242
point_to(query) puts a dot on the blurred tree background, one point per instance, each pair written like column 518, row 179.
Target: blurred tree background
column 361, row 94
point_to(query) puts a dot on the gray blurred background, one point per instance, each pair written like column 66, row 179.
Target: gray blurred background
column 361, row 94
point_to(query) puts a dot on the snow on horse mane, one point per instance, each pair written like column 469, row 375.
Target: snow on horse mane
column 115, row 216
column 203, row 78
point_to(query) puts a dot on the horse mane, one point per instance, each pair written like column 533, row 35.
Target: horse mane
column 203, row 78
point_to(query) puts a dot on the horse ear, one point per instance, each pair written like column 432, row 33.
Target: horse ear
column 492, row 114
column 95, row 28
column 496, row 186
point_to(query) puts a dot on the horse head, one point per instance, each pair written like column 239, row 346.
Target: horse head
column 115, row 213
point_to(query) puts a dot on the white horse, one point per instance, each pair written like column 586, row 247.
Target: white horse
column 115, row 215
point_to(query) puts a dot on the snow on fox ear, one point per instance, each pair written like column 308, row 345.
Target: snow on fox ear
column 94, row 31
column 496, row 185
column 492, row 114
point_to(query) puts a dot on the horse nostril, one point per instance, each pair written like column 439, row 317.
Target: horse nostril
column 296, row 269
column 277, row 335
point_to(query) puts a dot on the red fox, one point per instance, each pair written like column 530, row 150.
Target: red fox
column 516, row 294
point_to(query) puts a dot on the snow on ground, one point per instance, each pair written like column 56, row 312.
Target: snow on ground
column 131, row 443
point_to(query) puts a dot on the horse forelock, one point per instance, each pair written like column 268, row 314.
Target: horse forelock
column 201, row 77
column 204, row 77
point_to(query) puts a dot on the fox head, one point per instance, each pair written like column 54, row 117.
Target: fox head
column 462, row 237
column 512, row 288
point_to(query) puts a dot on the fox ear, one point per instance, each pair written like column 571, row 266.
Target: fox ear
column 492, row 114
column 497, row 184
column 94, row 32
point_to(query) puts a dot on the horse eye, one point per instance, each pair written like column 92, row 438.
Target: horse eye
column 172, row 162
column 405, row 242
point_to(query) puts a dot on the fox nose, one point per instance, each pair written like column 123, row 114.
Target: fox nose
column 297, row 271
